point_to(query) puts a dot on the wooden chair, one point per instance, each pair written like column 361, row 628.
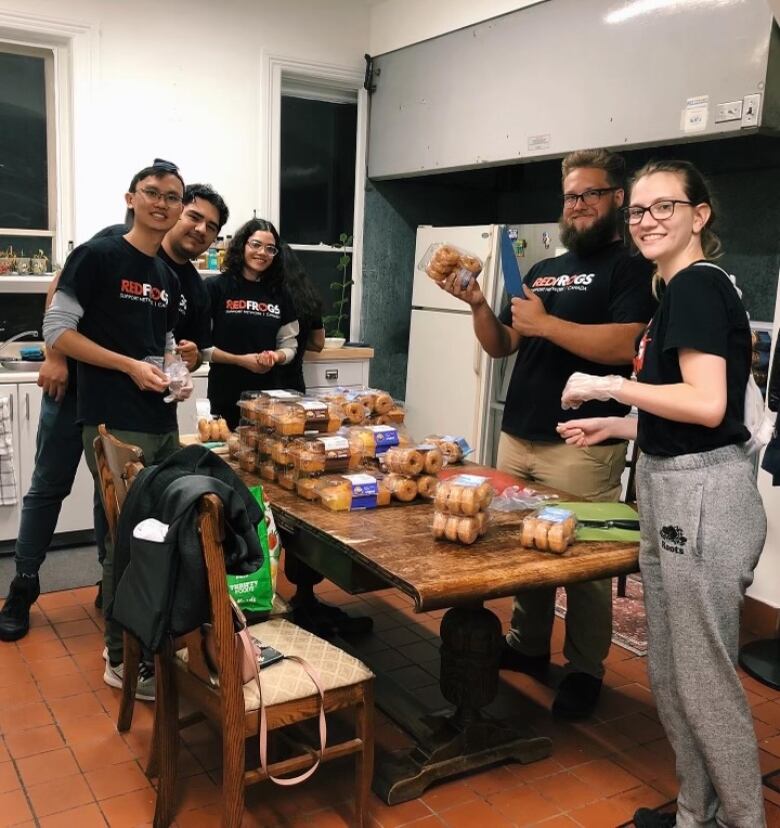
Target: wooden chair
column 117, row 464
column 287, row 693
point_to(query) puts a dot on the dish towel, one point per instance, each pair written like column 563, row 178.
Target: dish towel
column 8, row 493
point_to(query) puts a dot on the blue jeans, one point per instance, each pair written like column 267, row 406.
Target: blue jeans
column 57, row 456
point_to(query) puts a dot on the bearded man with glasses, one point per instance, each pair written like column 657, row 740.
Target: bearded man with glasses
column 586, row 307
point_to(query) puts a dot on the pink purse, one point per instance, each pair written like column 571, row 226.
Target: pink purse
column 250, row 671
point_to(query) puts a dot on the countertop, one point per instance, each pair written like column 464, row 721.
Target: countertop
column 328, row 355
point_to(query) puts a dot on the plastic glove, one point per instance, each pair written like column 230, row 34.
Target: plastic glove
column 763, row 434
column 179, row 380
column 583, row 387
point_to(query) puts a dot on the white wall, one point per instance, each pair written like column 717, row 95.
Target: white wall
column 397, row 23
column 182, row 80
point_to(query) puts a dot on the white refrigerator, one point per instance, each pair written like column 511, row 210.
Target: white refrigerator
column 452, row 386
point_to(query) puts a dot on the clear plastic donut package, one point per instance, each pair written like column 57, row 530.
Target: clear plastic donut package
column 441, row 260
column 461, row 505
column 550, row 529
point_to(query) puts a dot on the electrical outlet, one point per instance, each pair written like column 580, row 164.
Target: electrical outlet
column 750, row 108
column 731, row 111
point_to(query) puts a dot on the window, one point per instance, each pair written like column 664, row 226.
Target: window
column 27, row 175
column 317, row 190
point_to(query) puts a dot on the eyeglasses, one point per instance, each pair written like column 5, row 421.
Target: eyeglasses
column 171, row 199
column 589, row 197
column 659, row 210
column 270, row 249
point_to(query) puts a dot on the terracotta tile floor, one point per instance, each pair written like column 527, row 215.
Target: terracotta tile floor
column 62, row 763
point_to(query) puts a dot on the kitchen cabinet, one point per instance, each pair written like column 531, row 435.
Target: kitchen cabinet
column 76, row 512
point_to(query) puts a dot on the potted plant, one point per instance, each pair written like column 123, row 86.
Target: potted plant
column 22, row 265
column 6, row 261
column 335, row 336
column 39, row 262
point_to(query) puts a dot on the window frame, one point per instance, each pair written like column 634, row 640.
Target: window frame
column 74, row 49
column 47, row 55
column 320, row 81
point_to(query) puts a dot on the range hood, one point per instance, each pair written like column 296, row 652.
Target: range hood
column 568, row 74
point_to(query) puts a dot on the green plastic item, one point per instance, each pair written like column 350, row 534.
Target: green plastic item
column 603, row 511
column 255, row 592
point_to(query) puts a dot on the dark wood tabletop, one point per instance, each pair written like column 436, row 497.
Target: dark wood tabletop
column 395, row 543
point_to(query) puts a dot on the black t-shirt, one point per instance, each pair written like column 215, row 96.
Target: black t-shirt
column 290, row 375
column 611, row 286
column 700, row 310
column 194, row 323
column 130, row 302
column 246, row 319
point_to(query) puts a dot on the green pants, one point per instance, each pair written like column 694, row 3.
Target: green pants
column 155, row 448
column 591, row 474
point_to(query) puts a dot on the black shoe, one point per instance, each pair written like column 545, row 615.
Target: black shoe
column 99, row 596
column 647, row 818
column 577, row 696
column 15, row 615
column 328, row 621
column 512, row 659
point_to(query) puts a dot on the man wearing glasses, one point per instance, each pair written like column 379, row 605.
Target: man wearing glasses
column 114, row 311
column 584, row 308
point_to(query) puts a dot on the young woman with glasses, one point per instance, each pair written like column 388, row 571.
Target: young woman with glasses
column 254, row 320
column 703, row 523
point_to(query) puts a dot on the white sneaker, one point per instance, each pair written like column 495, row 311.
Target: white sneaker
column 144, row 690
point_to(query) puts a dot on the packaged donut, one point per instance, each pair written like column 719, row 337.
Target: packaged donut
column 454, row 449
column 394, row 416
column 247, row 460
column 402, row 488
column 348, row 492
column 306, row 487
column 550, row 529
column 286, row 477
column 426, row 486
column 267, row 470
column 459, row 528
column 465, row 494
column 441, row 261
column 329, row 453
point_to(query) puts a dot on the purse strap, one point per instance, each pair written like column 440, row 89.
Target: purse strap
column 250, row 656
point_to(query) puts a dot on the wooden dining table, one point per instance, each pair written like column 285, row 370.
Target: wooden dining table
column 393, row 546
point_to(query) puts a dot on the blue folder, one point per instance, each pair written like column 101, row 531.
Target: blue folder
column 512, row 279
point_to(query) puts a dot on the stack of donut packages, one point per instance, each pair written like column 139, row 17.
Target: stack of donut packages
column 461, row 505
column 550, row 528
column 412, row 470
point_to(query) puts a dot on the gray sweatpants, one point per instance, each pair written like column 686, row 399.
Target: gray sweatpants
column 703, row 529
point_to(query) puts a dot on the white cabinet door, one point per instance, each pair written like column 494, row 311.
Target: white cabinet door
column 76, row 512
column 185, row 412
column 319, row 375
column 9, row 515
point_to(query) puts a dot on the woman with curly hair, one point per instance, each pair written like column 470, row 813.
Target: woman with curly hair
column 255, row 324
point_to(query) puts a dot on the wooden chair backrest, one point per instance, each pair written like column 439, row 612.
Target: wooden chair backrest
column 117, row 464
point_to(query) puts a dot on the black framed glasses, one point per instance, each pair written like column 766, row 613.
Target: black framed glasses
column 257, row 246
column 659, row 210
column 153, row 194
column 589, row 197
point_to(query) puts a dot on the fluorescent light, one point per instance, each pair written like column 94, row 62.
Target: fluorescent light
column 636, row 8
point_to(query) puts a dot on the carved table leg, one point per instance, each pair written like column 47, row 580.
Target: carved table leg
column 466, row 739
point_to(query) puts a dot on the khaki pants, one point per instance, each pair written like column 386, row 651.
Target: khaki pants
column 589, row 474
column 156, row 447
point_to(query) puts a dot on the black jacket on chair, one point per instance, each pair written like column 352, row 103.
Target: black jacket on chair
column 161, row 588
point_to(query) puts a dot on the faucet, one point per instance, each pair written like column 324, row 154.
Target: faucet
column 15, row 337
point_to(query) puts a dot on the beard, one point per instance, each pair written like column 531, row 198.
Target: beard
column 589, row 241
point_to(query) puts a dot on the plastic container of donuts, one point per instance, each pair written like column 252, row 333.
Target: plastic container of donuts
column 549, row 529
column 464, row 529
column 442, row 260
column 413, row 460
column 465, row 494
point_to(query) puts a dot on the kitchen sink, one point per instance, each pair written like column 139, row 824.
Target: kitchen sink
column 16, row 364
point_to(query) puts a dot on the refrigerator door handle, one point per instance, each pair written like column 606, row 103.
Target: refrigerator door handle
column 477, row 365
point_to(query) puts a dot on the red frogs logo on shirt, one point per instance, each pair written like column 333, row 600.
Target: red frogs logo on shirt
column 143, row 292
column 566, row 282
column 252, row 307
column 639, row 359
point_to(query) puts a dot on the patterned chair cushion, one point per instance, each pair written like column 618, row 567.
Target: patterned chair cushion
column 286, row 680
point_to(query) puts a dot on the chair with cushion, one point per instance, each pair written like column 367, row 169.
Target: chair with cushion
column 288, row 693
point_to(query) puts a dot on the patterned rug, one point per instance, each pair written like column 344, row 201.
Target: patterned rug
column 629, row 628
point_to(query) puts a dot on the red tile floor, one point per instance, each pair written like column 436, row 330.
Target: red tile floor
column 62, row 763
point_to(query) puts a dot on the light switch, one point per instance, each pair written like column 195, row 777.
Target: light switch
column 750, row 108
